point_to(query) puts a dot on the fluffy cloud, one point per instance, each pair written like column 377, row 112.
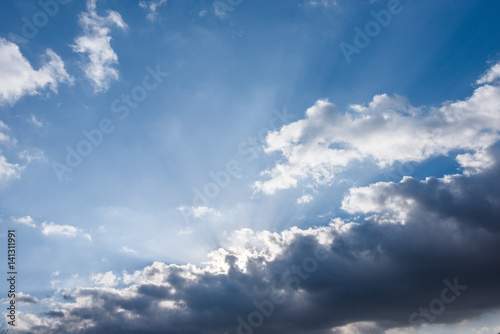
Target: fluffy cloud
column 152, row 6
column 387, row 130
column 18, row 78
column 346, row 277
column 107, row 279
column 469, row 200
column 95, row 42
column 63, row 230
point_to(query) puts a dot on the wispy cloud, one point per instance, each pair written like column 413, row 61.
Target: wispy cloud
column 9, row 171
column 19, row 78
column 26, row 220
column 63, row 230
column 127, row 250
column 95, row 43
column 151, row 6
column 199, row 211
column 33, row 120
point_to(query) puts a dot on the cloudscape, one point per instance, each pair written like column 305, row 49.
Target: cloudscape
column 240, row 166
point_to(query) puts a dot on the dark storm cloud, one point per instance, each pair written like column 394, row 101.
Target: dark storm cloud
column 375, row 274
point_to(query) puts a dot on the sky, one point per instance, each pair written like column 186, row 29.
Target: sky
column 248, row 166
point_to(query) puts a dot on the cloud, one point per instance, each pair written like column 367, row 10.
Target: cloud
column 26, row 298
column 33, row 154
column 387, row 130
column 23, row 298
column 470, row 200
column 127, row 250
column 322, row 3
column 95, row 42
column 107, row 279
column 9, row 171
column 63, row 230
column 199, row 211
column 347, row 277
column 4, row 137
column 491, row 75
column 33, row 120
column 26, row 220
column 151, row 7
column 305, row 199
column 19, row 78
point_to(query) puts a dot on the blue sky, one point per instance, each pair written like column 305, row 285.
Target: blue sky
column 256, row 106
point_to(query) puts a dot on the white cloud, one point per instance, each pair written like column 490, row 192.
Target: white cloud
column 305, row 199
column 63, row 230
column 385, row 131
column 4, row 137
column 491, row 75
column 199, row 212
column 107, row 279
column 33, row 154
column 27, row 321
column 128, row 250
column 18, row 78
column 95, row 42
column 322, row 3
column 152, row 6
column 370, row 199
column 33, row 120
column 476, row 162
column 9, row 171
column 26, row 220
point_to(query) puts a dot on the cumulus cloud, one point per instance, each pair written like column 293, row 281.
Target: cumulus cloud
column 95, row 43
column 387, row 130
column 105, row 279
column 151, row 6
column 63, row 230
column 26, row 220
column 347, row 277
column 19, row 78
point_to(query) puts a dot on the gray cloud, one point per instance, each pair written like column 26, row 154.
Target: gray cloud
column 375, row 276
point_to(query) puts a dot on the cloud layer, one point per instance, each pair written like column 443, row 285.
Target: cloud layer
column 365, row 275
column 387, row 130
